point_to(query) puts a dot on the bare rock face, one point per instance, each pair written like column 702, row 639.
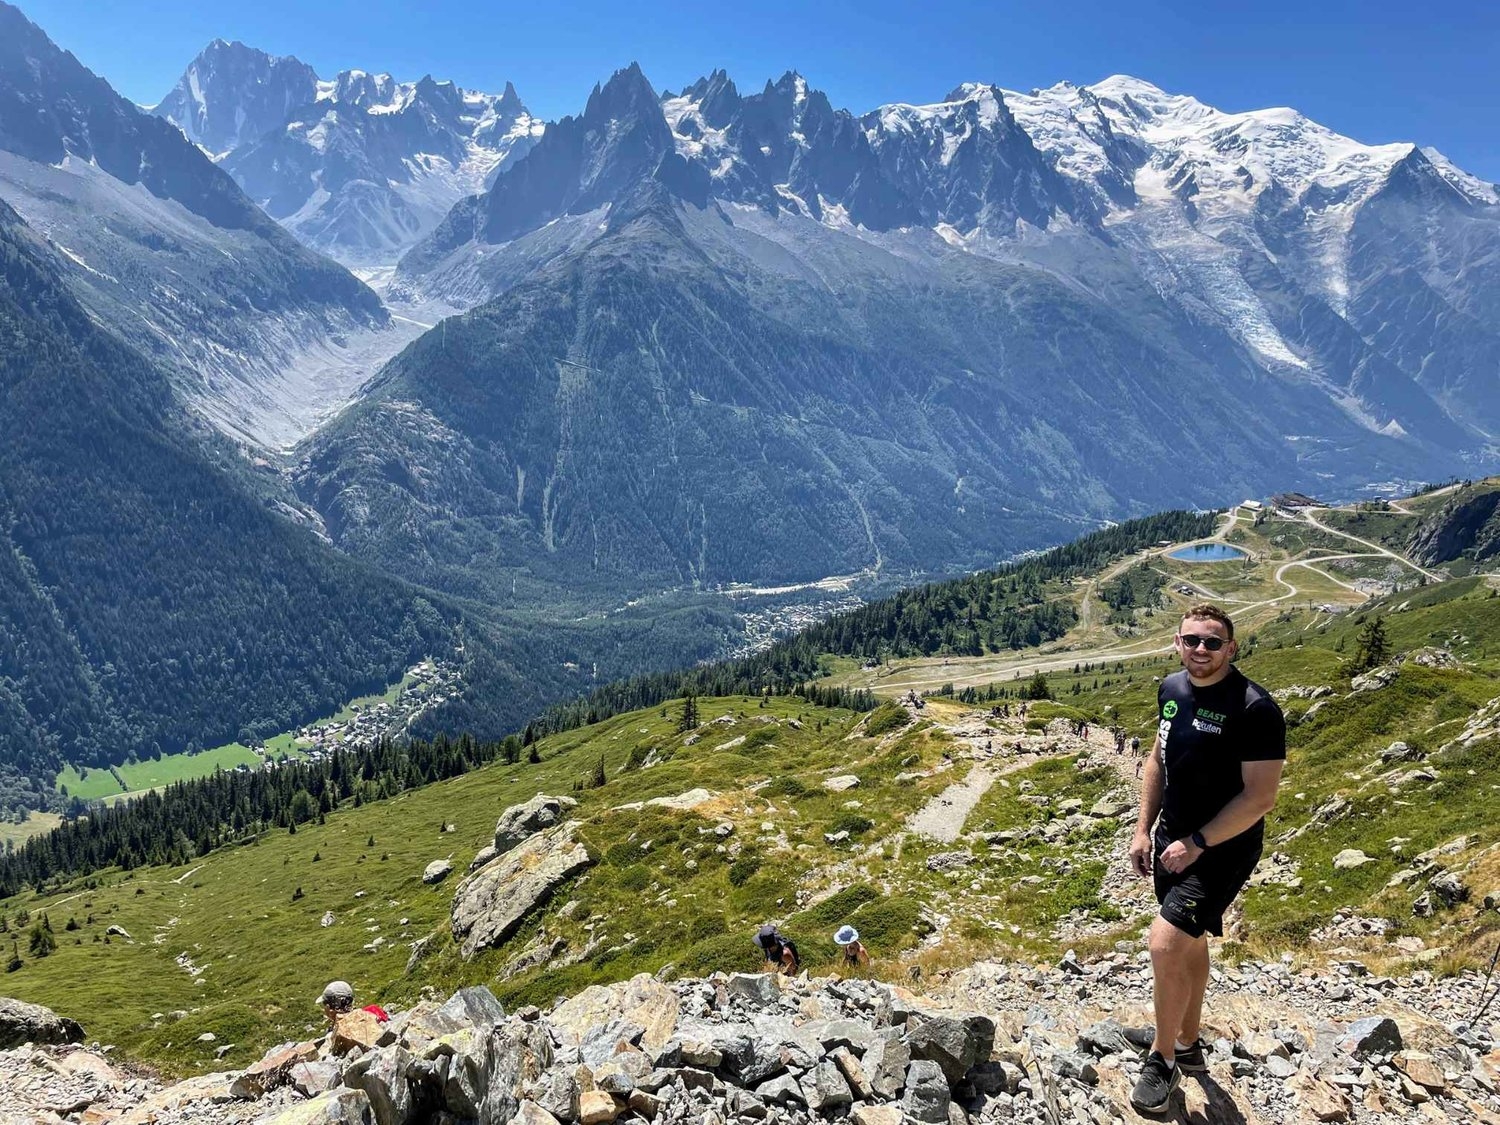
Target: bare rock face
column 31, row 1023
column 520, row 822
column 489, row 905
column 642, row 1002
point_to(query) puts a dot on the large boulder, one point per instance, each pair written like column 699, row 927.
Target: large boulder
column 382, row 1076
column 358, row 1028
column 642, row 1002
column 927, row 1094
column 953, row 1040
column 488, row 906
column 271, row 1070
column 437, row 871
column 31, row 1023
column 337, row 1107
column 483, row 1071
column 520, row 822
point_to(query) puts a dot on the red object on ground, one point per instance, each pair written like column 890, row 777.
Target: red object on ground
column 378, row 1012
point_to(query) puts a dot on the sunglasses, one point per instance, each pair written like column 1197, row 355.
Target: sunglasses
column 1192, row 640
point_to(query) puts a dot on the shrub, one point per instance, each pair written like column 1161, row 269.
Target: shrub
column 852, row 823
column 886, row 718
column 635, row 878
column 742, row 869
column 722, row 953
column 785, row 787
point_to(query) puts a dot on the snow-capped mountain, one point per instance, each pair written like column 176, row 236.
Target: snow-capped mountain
column 725, row 337
column 359, row 167
column 260, row 334
column 231, row 94
column 1266, row 225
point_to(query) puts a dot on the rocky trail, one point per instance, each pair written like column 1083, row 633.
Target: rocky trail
column 1294, row 1041
column 1035, row 1044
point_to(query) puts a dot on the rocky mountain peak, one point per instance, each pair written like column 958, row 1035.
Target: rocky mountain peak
column 626, row 97
column 232, row 93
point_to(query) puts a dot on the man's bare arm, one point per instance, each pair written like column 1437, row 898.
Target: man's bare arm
column 1258, row 797
column 1152, row 783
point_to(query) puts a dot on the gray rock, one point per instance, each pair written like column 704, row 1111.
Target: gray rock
column 437, row 871
column 484, row 1072
column 750, row 1061
column 1279, row 1067
column 1448, row 887
column 853, row 1071
column 955, row 1041
column 842, row 783
column 313, row 1078
column 558, row 1094
column 31, row 1023
column 337, row 1107
column 483, row 856
column 1107, row 1037
column 758, row 988
column 1078, row 1067
column 825, row 1089
column 854, row 1034
column 471, row 1007
column 927, row 1094
column 949, row 861
column 520, row 822
column 781, row 1090
column 1374, row 1035
column 885, row 1062
column 382, row 1076
column 488, row 906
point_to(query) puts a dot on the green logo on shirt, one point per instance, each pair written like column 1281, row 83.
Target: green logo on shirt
column 1169, row 709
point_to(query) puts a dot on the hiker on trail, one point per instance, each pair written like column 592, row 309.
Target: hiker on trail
column 1135, row 752
column 337, row 999
column 1211, row 778
column 855, row 954
column 780, row 951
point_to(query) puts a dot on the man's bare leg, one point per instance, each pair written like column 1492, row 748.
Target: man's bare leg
column 1192, row 1020
column 1175, row 963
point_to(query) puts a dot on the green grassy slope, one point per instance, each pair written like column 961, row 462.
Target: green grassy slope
column 667, row 889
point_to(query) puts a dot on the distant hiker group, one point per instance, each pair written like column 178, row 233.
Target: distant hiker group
column 781, row 956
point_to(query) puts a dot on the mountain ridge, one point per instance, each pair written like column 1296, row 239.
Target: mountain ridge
column 359, row 166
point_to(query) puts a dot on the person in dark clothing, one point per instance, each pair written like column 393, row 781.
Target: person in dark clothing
column 779, row 951
column 1210, row 780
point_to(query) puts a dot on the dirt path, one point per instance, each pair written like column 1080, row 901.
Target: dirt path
column 942, row 818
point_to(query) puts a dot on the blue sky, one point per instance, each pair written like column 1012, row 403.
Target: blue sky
column 1377, row 70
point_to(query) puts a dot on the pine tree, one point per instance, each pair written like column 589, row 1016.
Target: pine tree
column 689, row 718
column 1371, row 647
column 1038, row 688
column 42, row 942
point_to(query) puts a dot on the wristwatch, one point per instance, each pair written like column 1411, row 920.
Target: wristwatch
column 1197, row 839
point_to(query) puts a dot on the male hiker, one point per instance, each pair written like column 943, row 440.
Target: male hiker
column 1211, row 778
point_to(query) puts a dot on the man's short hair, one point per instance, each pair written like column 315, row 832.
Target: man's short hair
column 1212, row 612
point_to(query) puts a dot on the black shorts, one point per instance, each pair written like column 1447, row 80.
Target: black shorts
column 1195, row 900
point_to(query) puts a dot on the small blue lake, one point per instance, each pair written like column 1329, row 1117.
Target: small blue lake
column 1207, row 552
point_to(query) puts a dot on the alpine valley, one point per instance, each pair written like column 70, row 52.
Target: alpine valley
column 588, row 379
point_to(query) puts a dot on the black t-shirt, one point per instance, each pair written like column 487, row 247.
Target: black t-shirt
column 1205, row 735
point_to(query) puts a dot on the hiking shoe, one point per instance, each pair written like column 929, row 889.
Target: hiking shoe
column 1193, row 1059
column 1157, row 1082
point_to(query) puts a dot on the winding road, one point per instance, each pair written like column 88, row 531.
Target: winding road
column 975, row 672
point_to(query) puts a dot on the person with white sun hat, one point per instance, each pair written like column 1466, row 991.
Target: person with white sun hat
column 855, row 954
